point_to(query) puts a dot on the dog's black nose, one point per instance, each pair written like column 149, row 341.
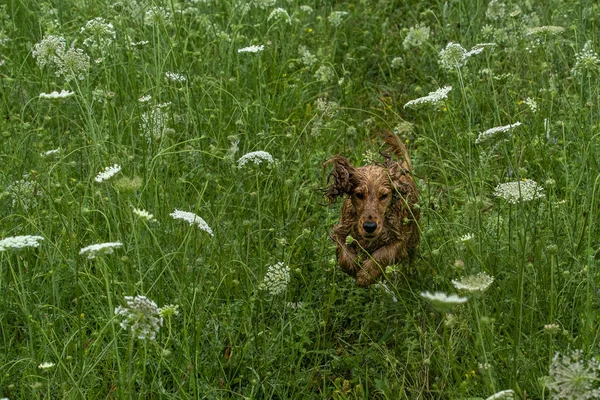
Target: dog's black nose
column 370, row 227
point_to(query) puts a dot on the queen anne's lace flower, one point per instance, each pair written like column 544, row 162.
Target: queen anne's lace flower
column 337, row 17
column 100, row 33
column 252, row 49
column 192, row 219
column 100, row 249
column 443, row 301
column 276, row 279
column 503, row 395
column 144, row 214
column 572, row 378
column 474, row 283
column 256, row 157
column 50, row 50
column 490, row 133
column 416, row 36
column 519, row 191
column 108, row 173
column 141, row 316
column 280, row 13
column 18, row 242
column 433, row 98
column 175, row 77
column 587, row 60
column 56, row 95
column 46, row 365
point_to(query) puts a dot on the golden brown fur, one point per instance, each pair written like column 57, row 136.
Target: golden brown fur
column 378, row 212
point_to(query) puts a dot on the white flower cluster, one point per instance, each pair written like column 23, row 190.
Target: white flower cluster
column 548, row 30
column 474, row 283
column 433, row 98
column 100, row 34
column 108, row 173
column 175, row 77
column 337, row 17
column 572, row 378
column 503, row 395
column 586, row 61
column 455, row 56
column 142, row 316
column 519, row 191
column 325, row 74
column 495, row 10
column 279, row 13
column 56, row 95
column 416, row 36
column 192, row 219
column 50, row 152
column 252, row 49
column 71, row 63
column 144, row 214
column 18, row 242
column 443, row 301
column 154, row 122
column 255, row 157
column 276, row 279
column 157, row 15
column 100, row 249
column 306, row 57
column 490, row 133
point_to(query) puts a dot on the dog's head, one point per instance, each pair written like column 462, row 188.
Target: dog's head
column 371, row 189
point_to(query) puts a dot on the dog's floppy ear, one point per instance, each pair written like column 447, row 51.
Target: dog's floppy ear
column 340, row 179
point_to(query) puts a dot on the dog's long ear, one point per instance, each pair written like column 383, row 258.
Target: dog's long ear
column 340, row 179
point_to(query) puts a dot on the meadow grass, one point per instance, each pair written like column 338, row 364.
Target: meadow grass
column 216, row 278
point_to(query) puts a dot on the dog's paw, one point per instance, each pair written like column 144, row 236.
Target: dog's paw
column 363, row 279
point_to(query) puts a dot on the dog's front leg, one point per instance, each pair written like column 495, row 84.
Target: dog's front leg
column 346, row 256
column 373, row 266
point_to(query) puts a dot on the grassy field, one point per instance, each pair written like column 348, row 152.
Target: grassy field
column 213, row 275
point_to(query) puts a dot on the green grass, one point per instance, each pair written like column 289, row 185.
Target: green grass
column 323, row 337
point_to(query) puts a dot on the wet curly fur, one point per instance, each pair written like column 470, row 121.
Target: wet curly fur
column 378, row 212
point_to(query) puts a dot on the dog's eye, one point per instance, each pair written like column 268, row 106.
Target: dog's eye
column 384, row 196
column 359, row 195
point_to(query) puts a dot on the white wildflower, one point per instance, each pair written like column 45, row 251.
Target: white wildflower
column 276, row 279
column 50, row 152
column 466, row 237
column 157, row 15
column 56, row 95
column 108, row 173
column 280, row 13
column 490, row 133
column 551, row 329
column 433, row 98
column 154, row 122
column 49, row 51
column 100, row 249
column 192, row 219
column 74, row 64
column 495, row 10
column 145, row 99
column 19, row 242
column 586, row 61
column 255, row 157
column 306, row 9
column 519, row 191
column 337, row 17
column 143, row 214
column 324, row 74
column 306, row 57
column 168, row 311
column 141, row 316
column 416, row 36
column 572, row 378
column 503, row 395
column 474, row 283
column 455, row 56
column 252, row 49
column 46, row 365
column 396, row 62
column 532, row 104
column 544, row 30
column 443, row 301
column 175, row 77
column 100, row 34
